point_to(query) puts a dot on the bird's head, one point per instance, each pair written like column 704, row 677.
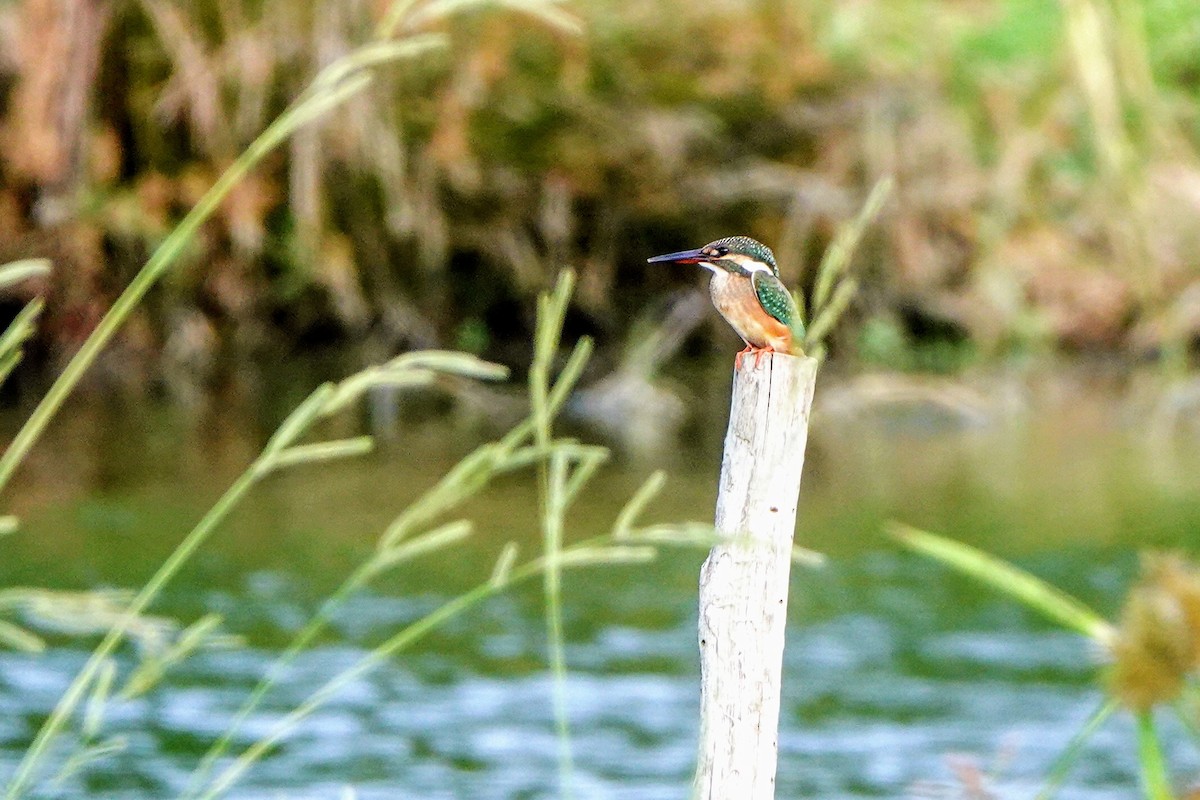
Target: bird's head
column 740, row 255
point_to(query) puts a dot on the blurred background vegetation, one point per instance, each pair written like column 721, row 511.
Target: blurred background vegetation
column 1046, row 155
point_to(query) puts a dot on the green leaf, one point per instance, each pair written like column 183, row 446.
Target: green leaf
column 1016, row 583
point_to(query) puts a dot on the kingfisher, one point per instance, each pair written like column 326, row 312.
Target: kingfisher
column 746, row 289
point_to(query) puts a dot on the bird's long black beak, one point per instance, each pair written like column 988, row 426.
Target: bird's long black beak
column 696, row 256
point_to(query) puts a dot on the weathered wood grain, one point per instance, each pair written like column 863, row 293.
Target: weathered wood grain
column 744, row 582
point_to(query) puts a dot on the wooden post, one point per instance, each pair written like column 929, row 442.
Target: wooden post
column 744, row 582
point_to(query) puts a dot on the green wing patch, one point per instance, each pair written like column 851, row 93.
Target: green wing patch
column 777, row 301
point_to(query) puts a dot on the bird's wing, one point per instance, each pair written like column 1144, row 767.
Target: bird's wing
column 777, row 301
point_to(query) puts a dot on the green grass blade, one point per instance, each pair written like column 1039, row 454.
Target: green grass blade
column 348, row 391
column 437, row 539
column 95, row 752
column 299, row 642
column 637, row 504
column 807, row 558
column 437, row 11
column 504, row 565
column 1004, row 577
column 395, row 14
column 595, row 553
column 549, row 14
column 151, row 671
column 831, row 314
column 570, row 375
column 553, row 513
column 164, row 257
column 605, row 555
column 388, row 649
column 93, row 714
column 70, row 699
column 561, row 391
column 17, row 271
column 589, row 460
column 22, row 326
column 321, row 452
column 19, row 330
column 450, row 362
column 700, row 535
column 1063, row 764
column 1186, row 709
column 19, row 638
column 9, row 362
column 1156, row 783
column 552, row 482
column 9, row 524
column 463, row 480
column 837, row 256
column 377, row 54
column 467, row 477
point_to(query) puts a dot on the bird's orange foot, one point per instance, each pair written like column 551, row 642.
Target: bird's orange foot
column 737, row 359
column 757, row 351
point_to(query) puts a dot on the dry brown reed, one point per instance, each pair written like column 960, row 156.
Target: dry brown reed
column 1044, row 155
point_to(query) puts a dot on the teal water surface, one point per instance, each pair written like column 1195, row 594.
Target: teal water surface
column 901, row 679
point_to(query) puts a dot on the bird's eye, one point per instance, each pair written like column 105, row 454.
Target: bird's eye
column 722, row 250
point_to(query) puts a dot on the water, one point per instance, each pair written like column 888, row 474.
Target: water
column 901, row 679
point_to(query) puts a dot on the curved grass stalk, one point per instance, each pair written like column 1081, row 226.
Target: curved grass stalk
column 299, row 642
column 836, row 258
column 1016, row 583
column 592, row 552
column 19, row 330
column 1063, row 764
column 326, row 399
column 17, row 271
column 1156, row 784
column 18, row 638
column 336, row 84
column 71, row 698
column 606, row 549
column 393, row 548
column 553, row 500
column 88, row 755
column 1186, row 708
column 553, row 522
column 462, row 482
column 356, row 581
